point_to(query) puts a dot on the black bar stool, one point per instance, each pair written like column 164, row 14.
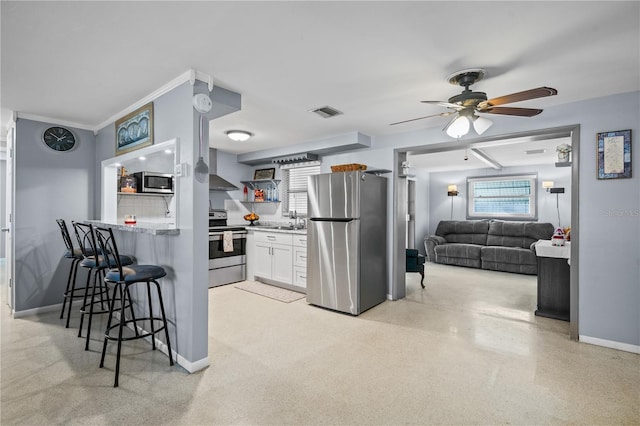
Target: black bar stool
column 123, row 278
column 97, row 264
column 76, row 257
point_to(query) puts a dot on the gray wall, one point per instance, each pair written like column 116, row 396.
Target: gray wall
column 184, row 255
column 609, row 293
column 440, row 202
column 49, row 185
column 234, row 172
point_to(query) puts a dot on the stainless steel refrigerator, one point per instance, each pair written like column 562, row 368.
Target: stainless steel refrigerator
column 347, row 241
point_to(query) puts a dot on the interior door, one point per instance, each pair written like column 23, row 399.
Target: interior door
column 7, row 227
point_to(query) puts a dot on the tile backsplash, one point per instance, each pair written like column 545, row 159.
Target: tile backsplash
column 151, row 209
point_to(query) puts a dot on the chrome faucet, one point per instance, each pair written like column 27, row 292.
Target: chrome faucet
column 294, row 215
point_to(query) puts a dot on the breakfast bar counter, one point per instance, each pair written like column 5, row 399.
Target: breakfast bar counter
column 140, row 227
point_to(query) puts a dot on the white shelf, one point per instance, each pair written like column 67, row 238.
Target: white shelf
column 257, row 184
column 145, row 194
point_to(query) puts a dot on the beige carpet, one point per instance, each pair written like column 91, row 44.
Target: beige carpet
column 272, row 292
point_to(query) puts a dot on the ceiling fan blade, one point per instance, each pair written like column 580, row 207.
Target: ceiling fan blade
column 520, row 112
column 442, row 114
column 444, row 104
column 539, row 92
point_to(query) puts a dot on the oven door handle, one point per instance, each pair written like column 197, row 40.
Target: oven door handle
column 218, row 237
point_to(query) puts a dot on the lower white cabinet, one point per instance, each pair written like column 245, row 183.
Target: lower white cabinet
column 279, row 257
column 300, row 261
column 273, row 256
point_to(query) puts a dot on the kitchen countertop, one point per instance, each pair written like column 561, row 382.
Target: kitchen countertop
column 272, row 229
column 140, row 227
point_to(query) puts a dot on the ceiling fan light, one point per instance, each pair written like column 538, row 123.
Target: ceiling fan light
column 459, row 127
column 239, row 135
column 481, row 124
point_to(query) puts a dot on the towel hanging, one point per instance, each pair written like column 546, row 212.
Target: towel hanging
column 227, row 241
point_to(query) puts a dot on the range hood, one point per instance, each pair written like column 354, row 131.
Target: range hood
column 217, row 183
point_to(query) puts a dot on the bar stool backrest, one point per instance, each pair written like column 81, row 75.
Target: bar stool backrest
column 65, row 235
column 108, row 246
column 86, row 239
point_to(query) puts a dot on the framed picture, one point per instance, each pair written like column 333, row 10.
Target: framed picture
column 261, row 174
column 614, row 154
column 135, row 130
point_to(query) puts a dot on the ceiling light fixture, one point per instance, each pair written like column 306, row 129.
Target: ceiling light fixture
column 481, row 124
column 460, row 125
column 239, row 135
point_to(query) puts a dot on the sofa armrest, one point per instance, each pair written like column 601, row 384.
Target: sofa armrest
column 429, row 246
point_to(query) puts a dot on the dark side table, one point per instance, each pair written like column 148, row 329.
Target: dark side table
column 553, row 280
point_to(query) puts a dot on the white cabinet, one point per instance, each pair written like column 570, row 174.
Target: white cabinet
column 300, row 261
column 273, row 256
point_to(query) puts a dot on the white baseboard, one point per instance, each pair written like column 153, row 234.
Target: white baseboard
column 36, row 311
column 611, row 344
column 191, row 367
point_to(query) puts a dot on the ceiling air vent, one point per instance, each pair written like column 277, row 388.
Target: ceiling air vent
column 535, row 151
column 295, row 158
column 326, row 111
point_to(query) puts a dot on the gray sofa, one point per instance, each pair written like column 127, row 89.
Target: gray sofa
column 488, row 244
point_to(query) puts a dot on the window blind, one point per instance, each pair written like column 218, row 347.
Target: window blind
column 508, row 197
column 294, row 183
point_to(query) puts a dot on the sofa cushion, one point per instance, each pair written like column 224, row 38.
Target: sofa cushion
column 464, row 231
column 509, row 259
column 459, row 254
column 517, row 234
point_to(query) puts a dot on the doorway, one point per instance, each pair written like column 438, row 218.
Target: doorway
column 398, row 286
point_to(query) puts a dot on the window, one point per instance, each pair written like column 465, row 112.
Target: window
column 504, row 197
column 294, row 184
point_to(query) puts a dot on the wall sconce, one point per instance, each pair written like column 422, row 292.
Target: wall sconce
column 547, row 184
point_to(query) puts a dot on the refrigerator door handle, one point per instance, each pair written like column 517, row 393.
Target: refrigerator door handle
column 332, row 219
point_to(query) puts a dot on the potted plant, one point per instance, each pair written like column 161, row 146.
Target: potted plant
column 563, row 152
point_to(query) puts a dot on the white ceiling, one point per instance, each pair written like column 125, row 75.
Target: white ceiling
column 84, row 62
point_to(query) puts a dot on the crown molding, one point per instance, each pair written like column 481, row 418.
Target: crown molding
column 53, row 120
column 191, row 76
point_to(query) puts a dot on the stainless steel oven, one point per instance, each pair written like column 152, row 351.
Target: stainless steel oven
column 228, row 266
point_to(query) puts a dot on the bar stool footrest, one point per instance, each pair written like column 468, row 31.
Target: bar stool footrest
column 140, row 336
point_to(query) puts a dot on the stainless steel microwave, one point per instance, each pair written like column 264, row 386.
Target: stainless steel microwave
column 150, row 182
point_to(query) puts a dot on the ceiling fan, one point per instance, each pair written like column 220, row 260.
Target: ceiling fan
column 468, row 103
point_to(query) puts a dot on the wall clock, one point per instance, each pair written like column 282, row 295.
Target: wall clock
column 59, row 138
